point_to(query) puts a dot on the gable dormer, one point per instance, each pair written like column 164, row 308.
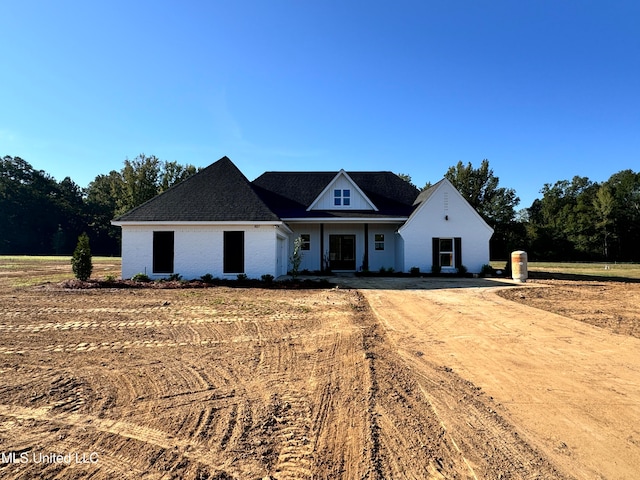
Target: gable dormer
column 342, row 193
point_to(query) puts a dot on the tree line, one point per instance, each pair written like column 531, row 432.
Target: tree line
column 41, row 216
column 574, row 219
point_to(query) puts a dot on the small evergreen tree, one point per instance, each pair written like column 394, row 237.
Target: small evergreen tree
column 81, row 260
column 296, row 258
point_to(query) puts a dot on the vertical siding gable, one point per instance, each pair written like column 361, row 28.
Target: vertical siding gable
column 357, row 199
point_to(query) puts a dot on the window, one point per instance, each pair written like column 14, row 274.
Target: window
column 446, row 252
column 306, row 241
column 346, row 197
column 379, row 241
column 163, row 252
column 342, row 197
column 233, row 252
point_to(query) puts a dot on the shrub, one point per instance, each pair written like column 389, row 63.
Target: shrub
column 81, row 260
column 174, row 277
column 141, row 277
column 486, row 269
column 326, row 262
column 436, row 269
column 462, row 270
column 267, row 278
column 110, row 278
column 414, row 271
column 296, row 257
column 242, row 277
column 207, row 278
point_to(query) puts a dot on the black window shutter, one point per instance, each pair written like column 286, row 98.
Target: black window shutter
column 457, row 251
column 163, row 252
column 233, row 252
column 436, row 251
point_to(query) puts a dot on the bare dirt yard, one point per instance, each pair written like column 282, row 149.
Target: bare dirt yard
column 424, row 378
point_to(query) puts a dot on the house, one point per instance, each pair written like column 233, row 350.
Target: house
column 218, row 222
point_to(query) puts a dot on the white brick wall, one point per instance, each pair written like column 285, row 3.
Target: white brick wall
column 198, row 250
column 430, row 221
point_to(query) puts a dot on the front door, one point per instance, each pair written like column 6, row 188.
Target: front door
column 342, row 252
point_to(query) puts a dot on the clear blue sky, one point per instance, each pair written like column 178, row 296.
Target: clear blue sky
column 544, row 90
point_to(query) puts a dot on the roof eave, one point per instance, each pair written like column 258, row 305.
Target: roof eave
column 120, row 223
column 346, row 219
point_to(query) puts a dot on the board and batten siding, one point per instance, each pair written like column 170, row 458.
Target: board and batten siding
column 312, row 258
column 385, row 258
column 198, row 250
column 357, row 201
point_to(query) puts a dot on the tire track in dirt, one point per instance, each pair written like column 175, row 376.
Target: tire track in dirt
column 121, row 429
column 294, row 424
column 132, row 344
column 301, row 392
column 488, row 444
column 289, row 417
column 11, row 328
column 407, row 438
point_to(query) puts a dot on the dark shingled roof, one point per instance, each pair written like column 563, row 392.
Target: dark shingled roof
column 217, row 193
column 221, row 193
column 426, row 193
column 289, row 194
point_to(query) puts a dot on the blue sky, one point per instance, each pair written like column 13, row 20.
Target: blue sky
column 544, row 90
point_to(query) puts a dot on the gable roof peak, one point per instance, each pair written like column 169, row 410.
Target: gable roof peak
column 427, row 192
column 342, row 173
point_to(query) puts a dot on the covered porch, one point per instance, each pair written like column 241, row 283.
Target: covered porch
column 348, row 246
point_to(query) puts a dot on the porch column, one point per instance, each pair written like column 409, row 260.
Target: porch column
column 365, row 260
column 322, row 247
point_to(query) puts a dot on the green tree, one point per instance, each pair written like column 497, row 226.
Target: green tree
column 603, row 206
column 34, row 208
column 480, row 187
column 563, row 222
column 172, row 173
column 81, row 260
column 139, row 180
column 144, row 177
column 625, row 217
column 101, row 205
column 406, row 177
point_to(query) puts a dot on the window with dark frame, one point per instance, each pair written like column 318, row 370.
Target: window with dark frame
column 346, row 197
column 342, row 197
column 163, row 252
column 379, row 241
column 446, row 252
column 305, row 241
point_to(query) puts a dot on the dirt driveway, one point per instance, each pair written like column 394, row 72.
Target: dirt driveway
column 571, row 390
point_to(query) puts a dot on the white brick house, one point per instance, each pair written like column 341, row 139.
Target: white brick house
column 218, row 222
